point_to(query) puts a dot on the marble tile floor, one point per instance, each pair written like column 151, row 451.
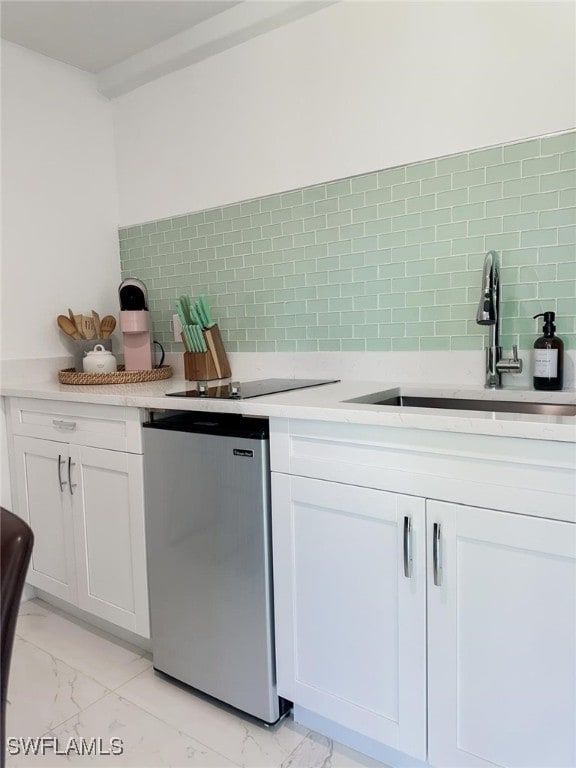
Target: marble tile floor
column 69, row 680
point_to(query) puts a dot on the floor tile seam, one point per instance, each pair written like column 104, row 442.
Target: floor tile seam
column 46, row 608
column 213, row 749
column 53, row 655
column 129, row 680
column 287, row 760
column 89, row 675
column 180, row 730
column 177, row 729
column 93, row 629
column 92, row 679
column 54, row 726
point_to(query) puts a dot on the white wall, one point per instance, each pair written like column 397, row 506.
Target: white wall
column 352, row 88
column 59, row 202
column 59, row 208
column 5, row 489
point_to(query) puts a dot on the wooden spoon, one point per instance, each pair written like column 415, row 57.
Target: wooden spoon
column 66, row 325
column 74, row 320
column 97, row 326
column 107, row 325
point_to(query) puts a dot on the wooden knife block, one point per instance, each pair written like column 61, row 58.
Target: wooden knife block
column 213, row 364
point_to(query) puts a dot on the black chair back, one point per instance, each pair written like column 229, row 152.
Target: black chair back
column 16, row 541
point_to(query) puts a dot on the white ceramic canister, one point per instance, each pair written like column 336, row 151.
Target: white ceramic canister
column 100, row 360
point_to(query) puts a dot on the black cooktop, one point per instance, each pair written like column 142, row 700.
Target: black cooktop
column 242, row 390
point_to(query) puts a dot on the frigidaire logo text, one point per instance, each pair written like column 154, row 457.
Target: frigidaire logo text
column 243, row 452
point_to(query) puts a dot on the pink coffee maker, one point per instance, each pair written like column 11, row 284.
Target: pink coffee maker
column 135, row 325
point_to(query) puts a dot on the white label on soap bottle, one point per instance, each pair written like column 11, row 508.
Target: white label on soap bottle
column 546, row 363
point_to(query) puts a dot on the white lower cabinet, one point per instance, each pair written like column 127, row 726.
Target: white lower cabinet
column 473, row 644
column 501, row 639
column 86, row 508
column 349, row 574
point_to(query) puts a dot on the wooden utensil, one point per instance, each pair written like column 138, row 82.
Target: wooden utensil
column 107, row 325
column 88, row 330
column 74, row 320
column 97, row 325
column 69, row 328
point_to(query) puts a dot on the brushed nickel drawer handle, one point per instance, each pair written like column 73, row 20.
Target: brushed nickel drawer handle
column 70, row 426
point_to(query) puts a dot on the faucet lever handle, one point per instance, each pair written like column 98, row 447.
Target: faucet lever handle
column 515, row 353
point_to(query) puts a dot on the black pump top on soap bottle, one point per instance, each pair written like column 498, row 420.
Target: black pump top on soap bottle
column 549, row 326
column 548, row 356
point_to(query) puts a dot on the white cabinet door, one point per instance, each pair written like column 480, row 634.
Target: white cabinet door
column 42, row 499
column 350, row 625
column 107, row 493
column 502, row 639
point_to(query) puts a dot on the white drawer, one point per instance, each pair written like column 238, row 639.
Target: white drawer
column 529, row 477
column 99, row 426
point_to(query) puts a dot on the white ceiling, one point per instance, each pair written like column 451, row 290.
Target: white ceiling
column 96, row 34
column 128, row 43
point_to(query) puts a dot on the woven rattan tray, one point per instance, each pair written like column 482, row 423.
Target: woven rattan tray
column 71, row 376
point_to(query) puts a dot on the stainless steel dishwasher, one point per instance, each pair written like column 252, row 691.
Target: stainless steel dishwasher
column 207, row 500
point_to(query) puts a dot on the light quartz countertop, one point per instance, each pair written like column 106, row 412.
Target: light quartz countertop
column 324, row 403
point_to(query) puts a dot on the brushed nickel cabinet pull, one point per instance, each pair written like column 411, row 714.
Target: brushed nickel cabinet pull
column 437, row 555
column 71, row 485
column 61, row 482
column 408, row 547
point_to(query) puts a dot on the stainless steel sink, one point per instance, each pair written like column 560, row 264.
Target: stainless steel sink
column 464, row 404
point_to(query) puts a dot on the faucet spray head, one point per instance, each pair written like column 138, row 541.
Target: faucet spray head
column 487, row 313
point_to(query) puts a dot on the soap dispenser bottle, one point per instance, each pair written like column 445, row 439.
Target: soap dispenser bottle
column 548, row 356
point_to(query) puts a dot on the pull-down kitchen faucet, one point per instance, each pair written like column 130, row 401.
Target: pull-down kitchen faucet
column 489, row 314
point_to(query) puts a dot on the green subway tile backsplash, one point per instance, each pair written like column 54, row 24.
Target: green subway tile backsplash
column 386, row 261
